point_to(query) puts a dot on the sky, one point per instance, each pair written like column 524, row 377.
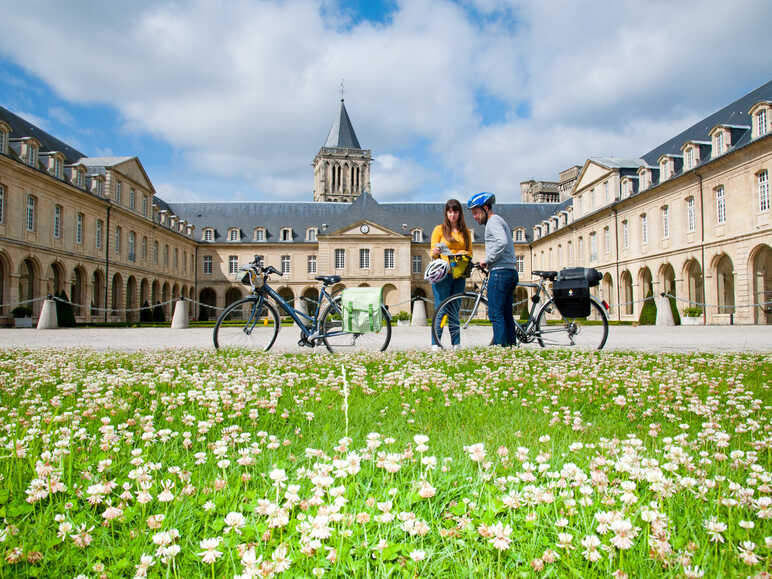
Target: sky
column 232, row 101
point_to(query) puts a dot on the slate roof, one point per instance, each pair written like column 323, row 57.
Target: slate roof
column 21, row 128
column 342, row 135
column 300, row 216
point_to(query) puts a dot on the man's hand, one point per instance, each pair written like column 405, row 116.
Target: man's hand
column 484, row 264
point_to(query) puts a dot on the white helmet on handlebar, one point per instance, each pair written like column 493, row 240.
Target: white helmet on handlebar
column 436, row 270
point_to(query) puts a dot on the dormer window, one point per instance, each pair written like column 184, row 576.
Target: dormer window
column 208, row 234
column 162, row 216
column 311, row 234
column 719, row 142
column 537, row 232
column 555, row 223
column 643, row 178
column 30, row 152
column 234, row 234
column 285, row 234
column 417, row 235
column 761, row 116
column 79, row 176
column 689, row 158
column 56, row 165
column 259, row 234
column 519, row 234
column 5, row 130
column 98, row 185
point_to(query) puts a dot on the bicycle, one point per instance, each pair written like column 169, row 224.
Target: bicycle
column 253, row 322
column 467, row 313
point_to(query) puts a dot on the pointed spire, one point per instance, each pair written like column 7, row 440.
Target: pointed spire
column 342, row 133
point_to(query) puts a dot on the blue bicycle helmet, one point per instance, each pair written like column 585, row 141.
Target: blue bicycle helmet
column 480, row 199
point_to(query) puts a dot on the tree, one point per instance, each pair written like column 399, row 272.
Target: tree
column 158, row 313
column 146, row 313
column 648, row 315
column 65, row 317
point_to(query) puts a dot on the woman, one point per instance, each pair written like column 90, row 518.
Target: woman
column 454, row 235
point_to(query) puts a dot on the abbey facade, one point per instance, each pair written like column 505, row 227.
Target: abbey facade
column 690, row 218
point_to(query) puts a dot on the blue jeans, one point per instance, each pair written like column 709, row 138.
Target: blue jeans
column 501, row 298
column 443, row 290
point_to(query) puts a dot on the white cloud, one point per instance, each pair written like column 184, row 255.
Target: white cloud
column 247, row 90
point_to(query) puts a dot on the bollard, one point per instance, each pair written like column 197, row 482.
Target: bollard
column 419, row 314
column 180, row 317
column 48, row 319
column 664, row 313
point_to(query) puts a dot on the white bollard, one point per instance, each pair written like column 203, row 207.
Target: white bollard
column 48, row 319
column 419, row 314
column 664, row 313
column 180, row 317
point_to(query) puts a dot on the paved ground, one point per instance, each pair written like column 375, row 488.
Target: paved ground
column 646, row 339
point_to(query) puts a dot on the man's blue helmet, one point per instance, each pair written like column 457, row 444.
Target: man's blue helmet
column 480, row 199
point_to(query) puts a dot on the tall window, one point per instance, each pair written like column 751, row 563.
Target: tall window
column 132, row 198
column 666, row 222
column 286, row 234
column 311, row 264
column 57, row 221
column 156, row 251
column 311, row 234
column 761, row 123
column 664, row 172
column 144, row 248
column 2, row 200
column 644, row 228
column 417, row 264
column 79, row 228
column 719, row 142
column 144, row 205
column 642, row 183
column 80, row 178
column 118, row 235
column 520, row 263
column 690, row 215
column 132, row 242
column 207, row 265
column 418, row 235
column 518, row 235
column 233, row 264
column 166, row 255
column 259, row 234
column 720, row 205
column 118, row 190
column 340, row 258
column 763, row 179
column 233, row 234
column 625, row 234
column 30, row 221
column 285, row 263
column 592, row 198
column 605, row 191
column 32, row 155
column 184, row 262
column 689, row 160
column 3, row 142
column 364, row 258
column 176, row 261
column 593, row 246
column 98, row 233
column 388, row 258
column 57, row 167
column 579, row 205
column 208, row 234
column 579, row 249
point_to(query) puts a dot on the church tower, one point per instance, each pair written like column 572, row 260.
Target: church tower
column 341, row 167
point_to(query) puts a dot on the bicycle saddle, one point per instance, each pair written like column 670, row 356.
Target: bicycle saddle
column 328, row 279
column 550, row 275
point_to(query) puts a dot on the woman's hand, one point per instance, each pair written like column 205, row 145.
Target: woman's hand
column 435, row 252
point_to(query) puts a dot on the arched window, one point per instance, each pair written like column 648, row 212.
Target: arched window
column 208, row 234
column 234, row 234
column 311, row 234
column 286, row 234
column 259, row 234
column 418, row 235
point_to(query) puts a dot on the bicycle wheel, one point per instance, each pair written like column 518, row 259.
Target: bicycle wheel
column 589, row 333
column 245, row 324
column 332, row 334
column 465, row 315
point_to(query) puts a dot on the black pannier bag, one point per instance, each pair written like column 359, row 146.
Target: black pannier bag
column 571, row 290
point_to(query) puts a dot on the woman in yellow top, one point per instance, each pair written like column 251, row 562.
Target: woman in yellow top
column 455, row 235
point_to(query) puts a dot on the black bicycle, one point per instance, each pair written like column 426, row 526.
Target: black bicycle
column 253, row 322
column 467, row 314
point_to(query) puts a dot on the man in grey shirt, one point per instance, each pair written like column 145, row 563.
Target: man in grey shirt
column 500, row 261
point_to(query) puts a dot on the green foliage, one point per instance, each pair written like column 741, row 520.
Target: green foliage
column 203, row 314
column 648, row 315
column 674, row 310
column 146, row 313
column 693, row 312
column 22, row 312
column 403, row 316
column 524, row 312
column 65, row 317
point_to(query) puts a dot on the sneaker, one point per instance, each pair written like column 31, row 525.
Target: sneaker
column 435, row 348
column 455, row 347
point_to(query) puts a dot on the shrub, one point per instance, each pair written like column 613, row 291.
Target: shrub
column 524, row 313
column 693, row 312
column 158, row 313
column 403, row 316
column 21, row 312
column 674, row 309
column 65, row 317
column 146, row 314
column 203, row 314
column 648, row 315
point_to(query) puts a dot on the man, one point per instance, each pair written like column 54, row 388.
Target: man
column 500, row 262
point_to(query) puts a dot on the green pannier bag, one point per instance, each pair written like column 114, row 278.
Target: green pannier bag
column 362, row 309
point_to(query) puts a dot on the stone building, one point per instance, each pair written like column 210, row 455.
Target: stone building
column 690, row 217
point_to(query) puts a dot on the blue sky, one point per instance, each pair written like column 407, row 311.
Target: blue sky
column 232, row 102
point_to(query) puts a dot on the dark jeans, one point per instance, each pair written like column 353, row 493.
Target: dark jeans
column 442, row 290
column 501, row 298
